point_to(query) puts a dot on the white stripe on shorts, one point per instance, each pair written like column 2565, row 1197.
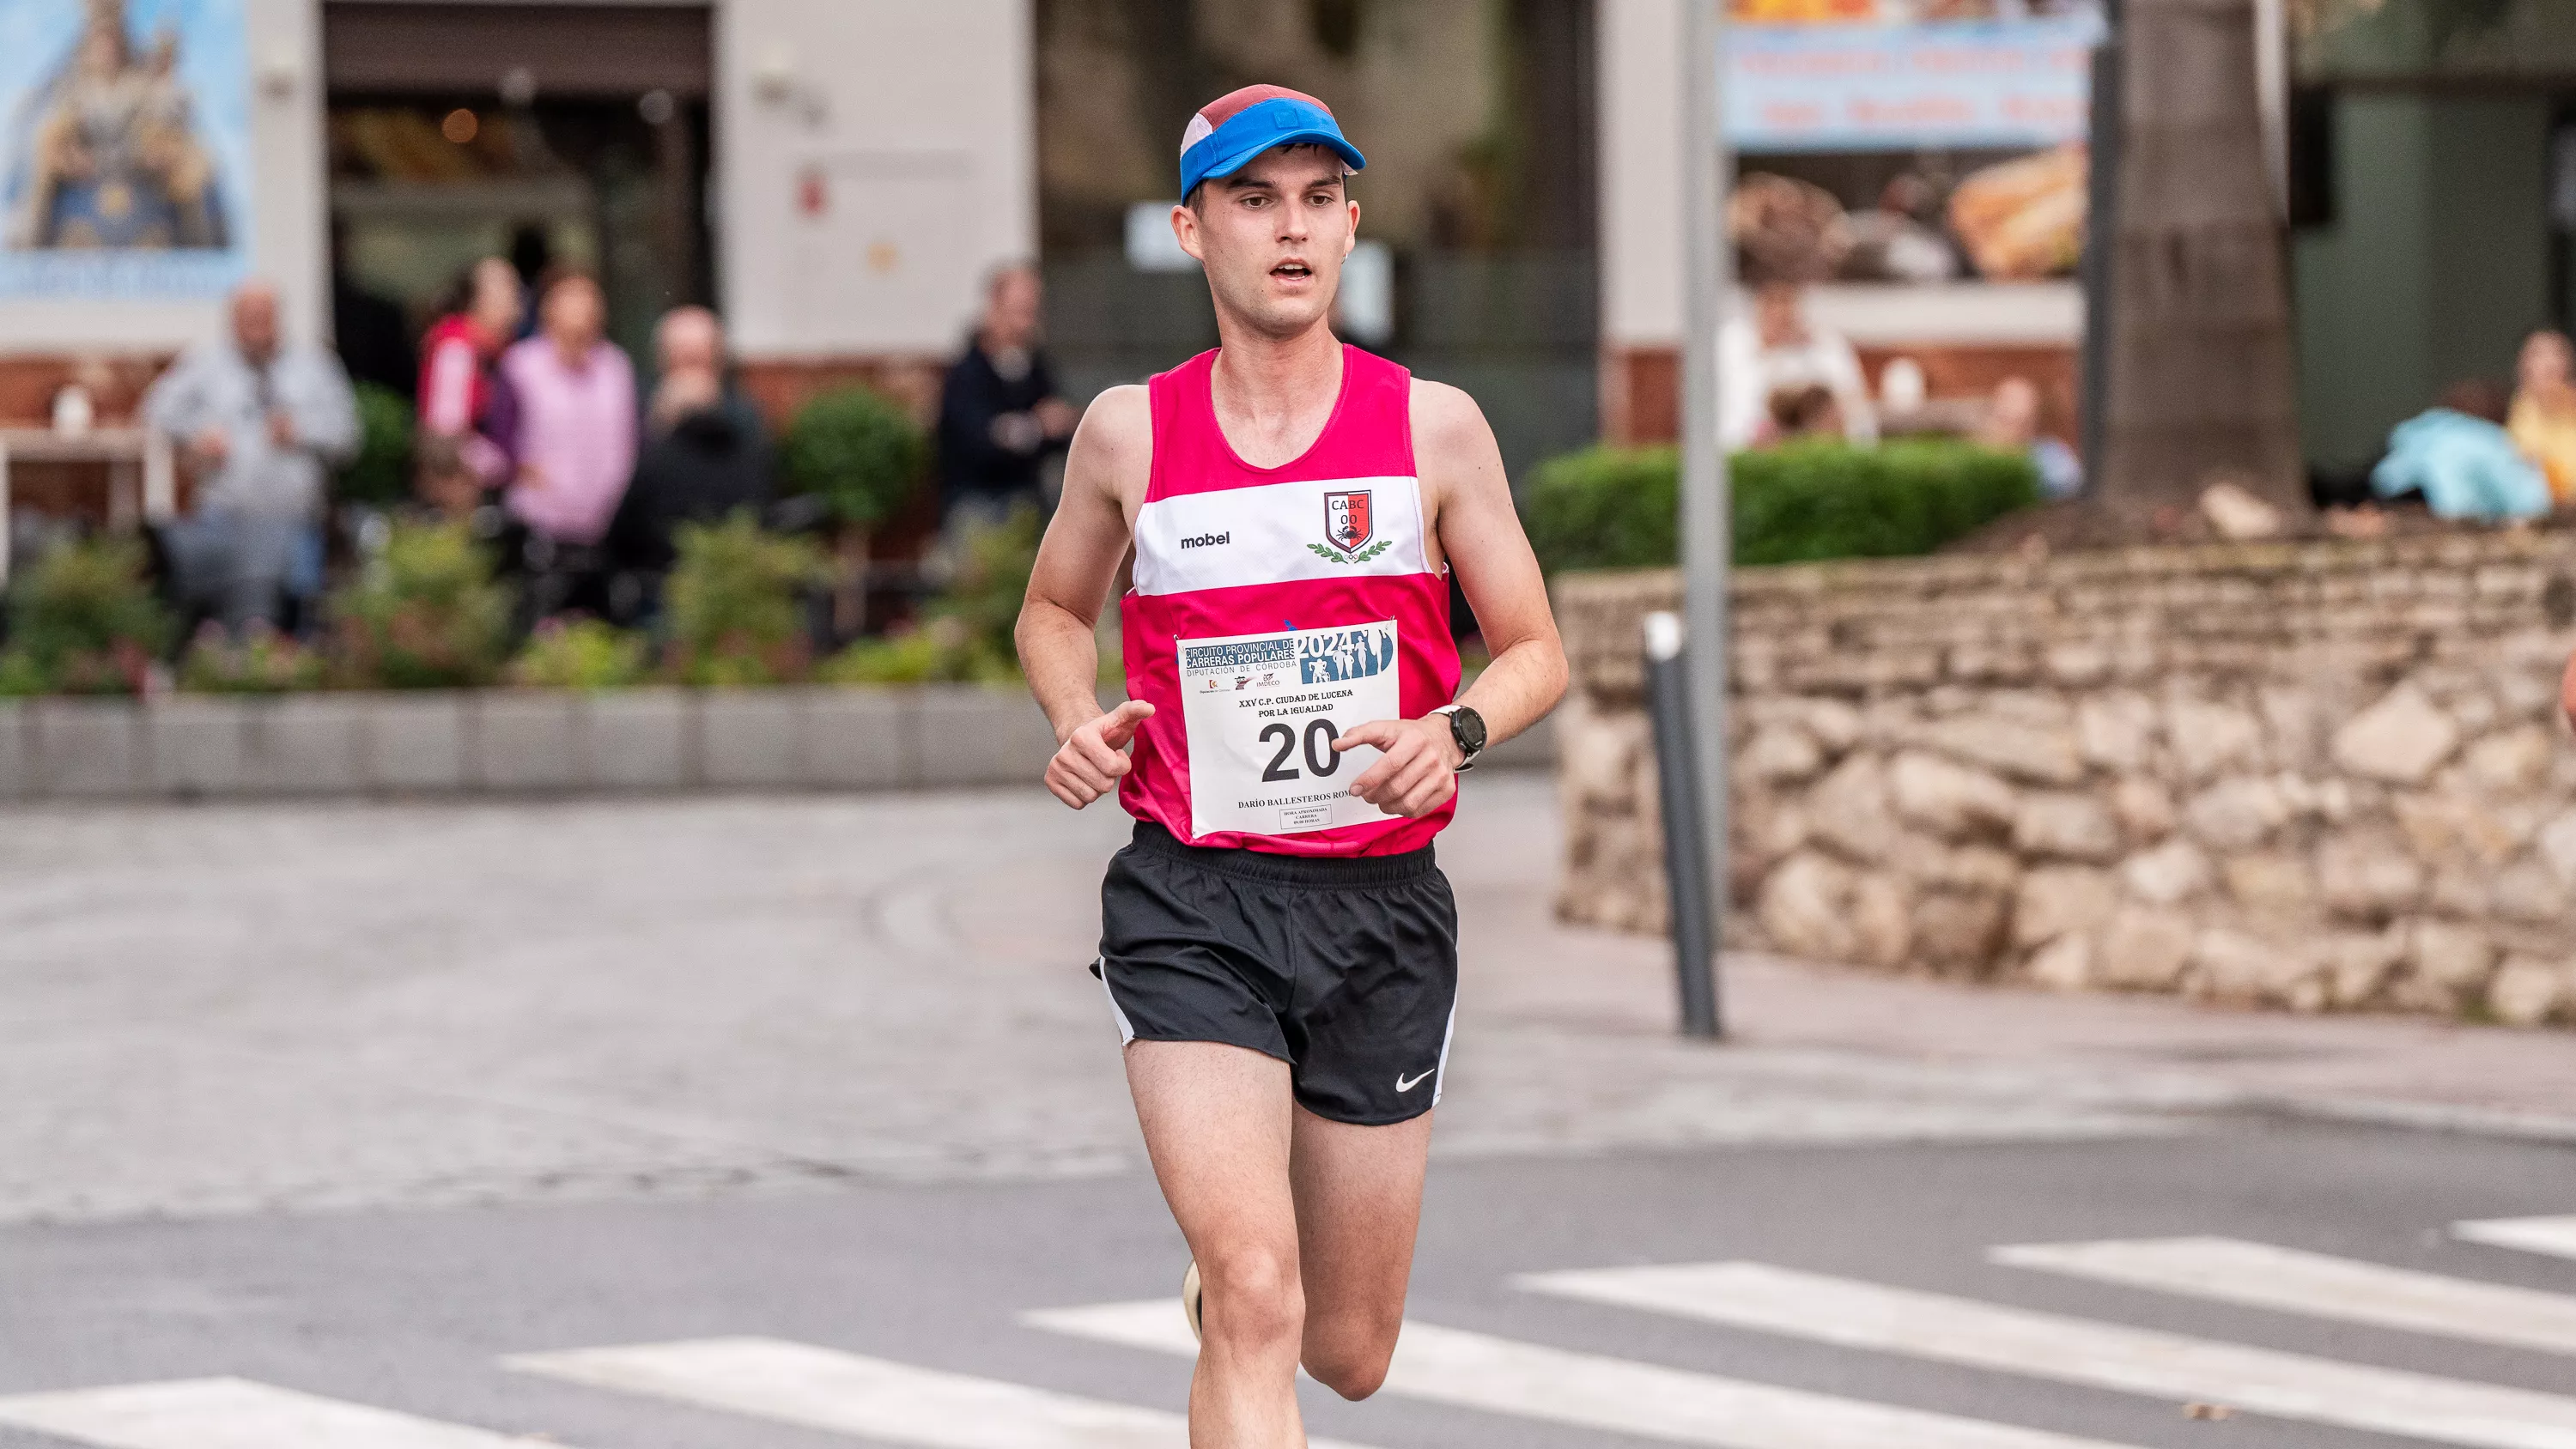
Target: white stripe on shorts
column 1126, row 1028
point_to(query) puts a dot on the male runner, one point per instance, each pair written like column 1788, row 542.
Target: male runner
column 1279, row 950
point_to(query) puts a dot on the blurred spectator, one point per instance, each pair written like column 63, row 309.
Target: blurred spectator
column 999, row 415
column 2543, row 420
column 1776, row 351
column 564, row 410
column 2460, row 458
column 698, row 464
column 457, row 360
column 2011, row 424
column 262, row 424
column 1805, row 412
column 442, row 477
column 691, row 339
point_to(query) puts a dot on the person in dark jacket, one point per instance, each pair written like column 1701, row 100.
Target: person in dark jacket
column 699, row 463
column 999, row 414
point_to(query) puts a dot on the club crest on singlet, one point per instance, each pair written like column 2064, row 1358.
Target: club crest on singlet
column 1346, row 520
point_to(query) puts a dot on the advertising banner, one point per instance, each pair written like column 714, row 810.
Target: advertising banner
column 2021, row 83
column 125, row 148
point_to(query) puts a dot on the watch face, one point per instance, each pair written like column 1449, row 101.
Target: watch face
column 1469, row 727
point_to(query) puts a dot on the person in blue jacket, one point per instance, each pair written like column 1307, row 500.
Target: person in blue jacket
column 2458, row 455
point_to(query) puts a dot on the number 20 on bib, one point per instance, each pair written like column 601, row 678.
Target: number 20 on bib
column 1262, row 712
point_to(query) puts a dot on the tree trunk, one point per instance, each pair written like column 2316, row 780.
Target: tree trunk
column 2200, row 388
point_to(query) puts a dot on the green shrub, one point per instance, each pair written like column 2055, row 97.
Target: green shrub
column 426, row 613
column 1820, row 499
column 581, row 654
column 859, row 451
column 939, row 651
column 83, row 620
column 1604, row 508
column 262, row 661
column 735, row 603
column 381, row 473
column 965, row 634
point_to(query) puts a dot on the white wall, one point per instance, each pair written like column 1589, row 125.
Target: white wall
column 290, row 240
column 915, row 121
column 1641, row 176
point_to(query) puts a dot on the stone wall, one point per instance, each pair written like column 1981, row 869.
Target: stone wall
column 2324, row 776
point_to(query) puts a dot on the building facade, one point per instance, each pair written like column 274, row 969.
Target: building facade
column 838, row 175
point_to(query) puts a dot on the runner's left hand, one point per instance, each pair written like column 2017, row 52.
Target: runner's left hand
column 1419, row 769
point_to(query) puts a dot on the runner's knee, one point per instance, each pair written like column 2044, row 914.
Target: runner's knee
column 1253, row 1295
column 1349, row 1353
column 1353, row 1375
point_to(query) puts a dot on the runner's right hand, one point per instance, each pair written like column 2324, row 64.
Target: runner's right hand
column 1092, row 758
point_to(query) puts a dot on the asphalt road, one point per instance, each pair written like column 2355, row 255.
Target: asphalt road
column 415, row 1310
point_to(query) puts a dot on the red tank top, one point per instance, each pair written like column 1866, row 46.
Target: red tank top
column 1274, row 608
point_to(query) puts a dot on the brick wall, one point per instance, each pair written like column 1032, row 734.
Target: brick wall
column 2323, row 776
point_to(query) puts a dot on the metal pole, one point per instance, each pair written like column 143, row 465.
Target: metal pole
column 1686, row 867
column 1707, row 547
column 2101, row 240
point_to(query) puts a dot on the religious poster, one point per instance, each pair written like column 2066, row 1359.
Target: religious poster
column 124, row 148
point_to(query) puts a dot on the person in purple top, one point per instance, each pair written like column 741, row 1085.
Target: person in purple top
column 564, row 411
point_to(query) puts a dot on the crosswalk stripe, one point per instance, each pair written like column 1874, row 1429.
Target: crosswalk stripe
column 226, row 1413
column 2312, row 1283
column 2074, row 1350
column 1501, row 1376
column 847, row 1393
column 2554, row 1236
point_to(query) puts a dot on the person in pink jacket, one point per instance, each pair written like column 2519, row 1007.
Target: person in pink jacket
column 564, row 410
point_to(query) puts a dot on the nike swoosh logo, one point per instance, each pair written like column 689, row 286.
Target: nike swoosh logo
column 1403, row 1085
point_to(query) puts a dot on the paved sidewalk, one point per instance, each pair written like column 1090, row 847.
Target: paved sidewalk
column 244, row 1008
column 2393, row 1069
column 2132, row 1050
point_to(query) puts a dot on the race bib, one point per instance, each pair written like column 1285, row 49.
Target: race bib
column 1262, row 712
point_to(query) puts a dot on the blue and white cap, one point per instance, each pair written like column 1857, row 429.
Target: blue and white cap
column 1228, row 132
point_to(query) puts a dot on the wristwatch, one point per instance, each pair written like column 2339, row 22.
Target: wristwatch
column 1468, row 728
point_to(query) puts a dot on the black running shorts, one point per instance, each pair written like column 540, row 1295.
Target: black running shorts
column 1345, row 969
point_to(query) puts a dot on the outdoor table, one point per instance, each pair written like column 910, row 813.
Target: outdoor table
column 141, row 485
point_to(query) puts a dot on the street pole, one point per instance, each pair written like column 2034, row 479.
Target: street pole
column 2101, row 222
column 1707, row 546
column 1686, row 869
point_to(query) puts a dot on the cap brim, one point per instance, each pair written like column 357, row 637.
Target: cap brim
column 1226, row 166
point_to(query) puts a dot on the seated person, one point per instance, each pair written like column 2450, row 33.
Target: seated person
column 2543, row 420
column 2460, row 458
column 2012, row 425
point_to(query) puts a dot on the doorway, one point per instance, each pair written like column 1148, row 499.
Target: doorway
column 554, row 135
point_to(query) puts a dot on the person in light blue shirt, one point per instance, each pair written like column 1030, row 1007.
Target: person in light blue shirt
column 2459, row 456
column 262, row 422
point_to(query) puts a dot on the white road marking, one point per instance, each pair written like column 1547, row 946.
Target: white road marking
column 1501, row 1376
column 846, row 1393
column 2554, row 1236
column 1852, row 1314
column 231, row 1414
column 2325, row 1287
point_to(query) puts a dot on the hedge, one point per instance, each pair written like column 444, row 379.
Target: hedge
column 1609, row 508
